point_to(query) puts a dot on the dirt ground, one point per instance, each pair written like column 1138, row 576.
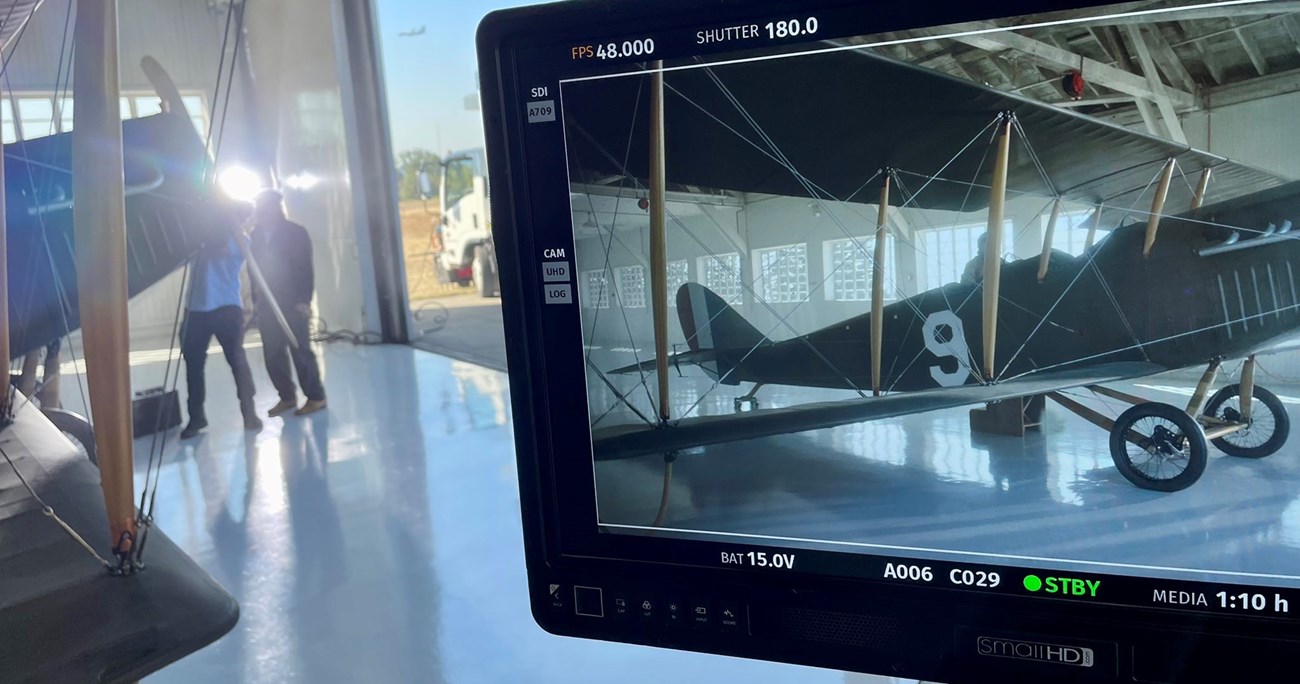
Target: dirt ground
column 424, row 279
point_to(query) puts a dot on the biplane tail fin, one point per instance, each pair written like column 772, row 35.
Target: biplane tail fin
column 708, row 322
column 713, row 326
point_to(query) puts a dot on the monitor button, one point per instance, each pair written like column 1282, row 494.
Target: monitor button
column 555, row 596
column 675, row 611
column 588, row 601
column 646, row 607
column 620, row 606
column 730, row 616
column 701, row 613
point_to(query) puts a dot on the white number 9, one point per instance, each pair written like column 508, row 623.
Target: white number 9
column 945, row 338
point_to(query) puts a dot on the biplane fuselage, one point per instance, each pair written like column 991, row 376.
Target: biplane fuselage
column 1180, row 306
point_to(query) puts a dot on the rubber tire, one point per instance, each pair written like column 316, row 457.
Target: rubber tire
column 1197, row 458
column 1281, row 422
column 482, row 274
column 77, row 427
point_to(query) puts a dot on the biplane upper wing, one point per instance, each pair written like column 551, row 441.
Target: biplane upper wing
column 838, row 117
column 626, row 441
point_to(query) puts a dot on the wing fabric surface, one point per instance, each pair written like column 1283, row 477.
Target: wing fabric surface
column 840, row 116
column 626, row 441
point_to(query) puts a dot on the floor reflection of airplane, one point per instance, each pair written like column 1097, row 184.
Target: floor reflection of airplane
column 412, row 33
column 1169, row 291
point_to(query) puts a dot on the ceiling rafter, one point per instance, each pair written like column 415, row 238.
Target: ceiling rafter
column 1099, row 73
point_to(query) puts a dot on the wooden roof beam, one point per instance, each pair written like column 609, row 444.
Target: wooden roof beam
column 1256, row 58
column 1167, row 113
column 1280, row 83
column 1098, row 73
column 1212, row 12
column 1168, row 60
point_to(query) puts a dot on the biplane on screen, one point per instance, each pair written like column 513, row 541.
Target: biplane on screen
column 908, row 304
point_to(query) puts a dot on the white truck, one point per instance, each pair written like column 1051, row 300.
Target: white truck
column 467, row 254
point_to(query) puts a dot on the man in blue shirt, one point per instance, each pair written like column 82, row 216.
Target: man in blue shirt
column 216, row 309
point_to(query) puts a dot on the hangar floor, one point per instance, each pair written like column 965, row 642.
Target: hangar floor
column 379, row 541
column 926, row 482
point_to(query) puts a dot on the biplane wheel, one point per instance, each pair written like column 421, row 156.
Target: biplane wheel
column 1159, row 447
column 1268, row 430
column 76, row 428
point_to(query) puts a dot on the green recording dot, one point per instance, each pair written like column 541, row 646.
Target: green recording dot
column 1032, row 582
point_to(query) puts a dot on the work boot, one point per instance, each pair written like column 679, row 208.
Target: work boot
column 284, row 406
column 194, row 428
column 312, row 406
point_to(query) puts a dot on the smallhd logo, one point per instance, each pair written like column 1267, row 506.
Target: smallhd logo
column 1058, row 654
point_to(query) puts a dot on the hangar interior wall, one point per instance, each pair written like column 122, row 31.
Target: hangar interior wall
column 926, row 248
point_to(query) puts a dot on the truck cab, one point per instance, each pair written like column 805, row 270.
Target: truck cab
column 465, row 227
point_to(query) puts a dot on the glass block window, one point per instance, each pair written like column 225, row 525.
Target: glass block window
column 631, row 286
column 782, row 273
column 721, row 273
column 37, row 116
column 8, row 131
column 597, row 286
column 198, row 114
column 948, row 250
column 1071, row 233
column 679, row 272
column 850, row 263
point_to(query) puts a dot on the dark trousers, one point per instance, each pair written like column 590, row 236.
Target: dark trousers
column 280, row 356
column 227, row 324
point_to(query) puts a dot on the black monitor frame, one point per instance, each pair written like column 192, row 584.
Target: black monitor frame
column 834, row 610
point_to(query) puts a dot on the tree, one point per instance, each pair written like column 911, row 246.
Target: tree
column 409, row 164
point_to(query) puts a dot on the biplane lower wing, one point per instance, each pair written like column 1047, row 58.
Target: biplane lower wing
column 627, row 441
column 62, row 617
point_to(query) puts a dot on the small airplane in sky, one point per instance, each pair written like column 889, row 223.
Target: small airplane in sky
column 412, row 33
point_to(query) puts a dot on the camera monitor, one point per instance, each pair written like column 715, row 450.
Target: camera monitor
column 941, row 340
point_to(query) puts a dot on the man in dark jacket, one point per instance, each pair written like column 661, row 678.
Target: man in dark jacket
column 282, row 250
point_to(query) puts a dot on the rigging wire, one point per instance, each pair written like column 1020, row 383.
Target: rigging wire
column 49, row 513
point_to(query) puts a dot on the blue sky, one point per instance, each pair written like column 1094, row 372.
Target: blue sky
column 429, row 76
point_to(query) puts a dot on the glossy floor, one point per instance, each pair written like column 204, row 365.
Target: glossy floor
column 379, row 541
column 928, row 484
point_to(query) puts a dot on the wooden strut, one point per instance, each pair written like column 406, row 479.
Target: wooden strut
column 1116, row 394
column 993, row 246
column 1197, row 402
column 878, row 289
column 1158, row 206
column 99, row 217
column 1199, row 198
column 1048, row 233
column 659, row 236
column 1246, row 388
column 1096, row 418
column 6, row 405
column 1093, row 226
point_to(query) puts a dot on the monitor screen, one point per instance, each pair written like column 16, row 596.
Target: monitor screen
column 984, row 300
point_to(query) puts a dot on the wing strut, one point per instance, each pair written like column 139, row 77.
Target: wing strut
column 1199, row 197
column 658, row 236
column 993, row 245
column 1157, row 206
column 1092, row 228
column 878, row 287
column 99, row 218
column 5, row 406
column 1047, row 239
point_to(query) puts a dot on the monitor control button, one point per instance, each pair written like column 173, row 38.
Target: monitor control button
column 701, row 613
column 588, row 601
column 675, row 612
column 730, row 616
